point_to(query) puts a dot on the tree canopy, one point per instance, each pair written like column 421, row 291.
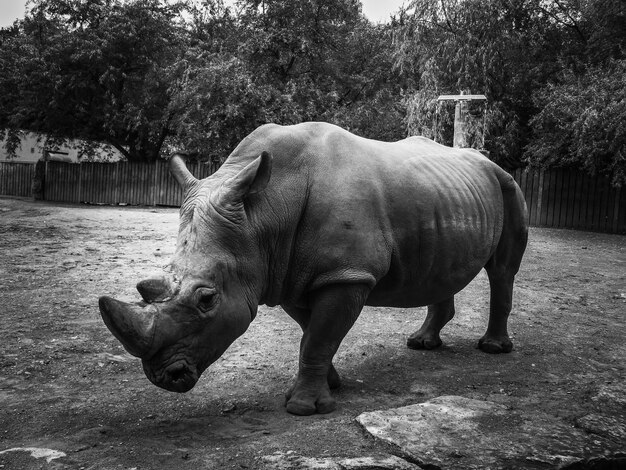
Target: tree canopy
column 153, row 76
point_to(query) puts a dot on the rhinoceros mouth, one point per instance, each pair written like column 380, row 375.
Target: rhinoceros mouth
column 179, row 376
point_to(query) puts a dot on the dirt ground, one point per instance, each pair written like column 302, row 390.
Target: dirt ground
column 67, row 384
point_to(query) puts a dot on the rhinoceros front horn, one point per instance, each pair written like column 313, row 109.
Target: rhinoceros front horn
column 181, row 174
column 132, row 325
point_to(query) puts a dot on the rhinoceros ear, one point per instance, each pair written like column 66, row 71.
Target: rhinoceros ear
column 252, row 179
column 180, row 172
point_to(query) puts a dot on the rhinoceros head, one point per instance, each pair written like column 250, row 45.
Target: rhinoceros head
column 210, row 293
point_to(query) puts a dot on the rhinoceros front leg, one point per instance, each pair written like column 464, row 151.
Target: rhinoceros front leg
column 427, row 337
column 334, row 309
column 302, row 316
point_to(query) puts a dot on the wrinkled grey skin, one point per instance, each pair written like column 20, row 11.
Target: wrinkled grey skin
column 322, row 222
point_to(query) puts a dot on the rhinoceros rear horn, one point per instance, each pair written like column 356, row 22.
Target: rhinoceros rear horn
column 253, row 178
column 181, row 174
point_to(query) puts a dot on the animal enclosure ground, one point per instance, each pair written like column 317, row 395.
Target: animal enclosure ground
column 66, row 384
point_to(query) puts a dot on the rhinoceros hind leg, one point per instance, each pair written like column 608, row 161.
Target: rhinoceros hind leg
column 496, row 339
column 427, row 337
column 502, row 268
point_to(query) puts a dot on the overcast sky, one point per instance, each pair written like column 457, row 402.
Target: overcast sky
column 375, row 10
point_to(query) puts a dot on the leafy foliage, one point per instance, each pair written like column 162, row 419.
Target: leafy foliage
column 293, row 62
column 480, row 47
column 583, row 122
column 153, row 76
column 93, row 70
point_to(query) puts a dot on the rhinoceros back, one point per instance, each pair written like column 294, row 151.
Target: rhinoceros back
column 413, row 220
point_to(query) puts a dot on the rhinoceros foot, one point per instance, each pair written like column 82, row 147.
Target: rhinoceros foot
column 305, row 402
column 424, row 340
column 495, row 344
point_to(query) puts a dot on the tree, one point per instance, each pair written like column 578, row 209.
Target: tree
column 496, row 48
column 369, row 90
column 283, row 62
column 551, row 71
column 93, row 70
column 582, row 123
column 217, row 104
column 583, row 108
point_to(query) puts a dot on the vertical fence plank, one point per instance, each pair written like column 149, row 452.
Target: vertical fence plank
column 538, row 178
column 122, row 181
column 536, row 189
column 9, row 178
column 607, row 216
column 15, row 180
column 573, row 198
column 570, row 193
column 112, row 184
column 529, row 189
column 583, row 196
column 590, row 201
column 605, row 204
column 548, row 210
column 87, row 185
column 564, row 198
column 598, row 207
column 621, row 217
column 616, row 204
column 575, row 204
column 558, row 189
column 4, row 169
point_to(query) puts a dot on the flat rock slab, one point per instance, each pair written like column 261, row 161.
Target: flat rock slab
column 291, row 461
column 453, row 432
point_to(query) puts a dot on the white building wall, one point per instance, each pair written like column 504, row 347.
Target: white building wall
column 33, row 145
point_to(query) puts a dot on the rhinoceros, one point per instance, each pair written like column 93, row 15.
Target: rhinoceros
column 323, row 222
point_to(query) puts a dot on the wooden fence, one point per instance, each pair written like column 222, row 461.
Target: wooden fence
column 571, row 199
column 16, row 179
column 148, row 184
column 556, row 198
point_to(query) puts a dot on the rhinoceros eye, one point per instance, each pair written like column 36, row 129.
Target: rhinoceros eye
column 205, row 299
